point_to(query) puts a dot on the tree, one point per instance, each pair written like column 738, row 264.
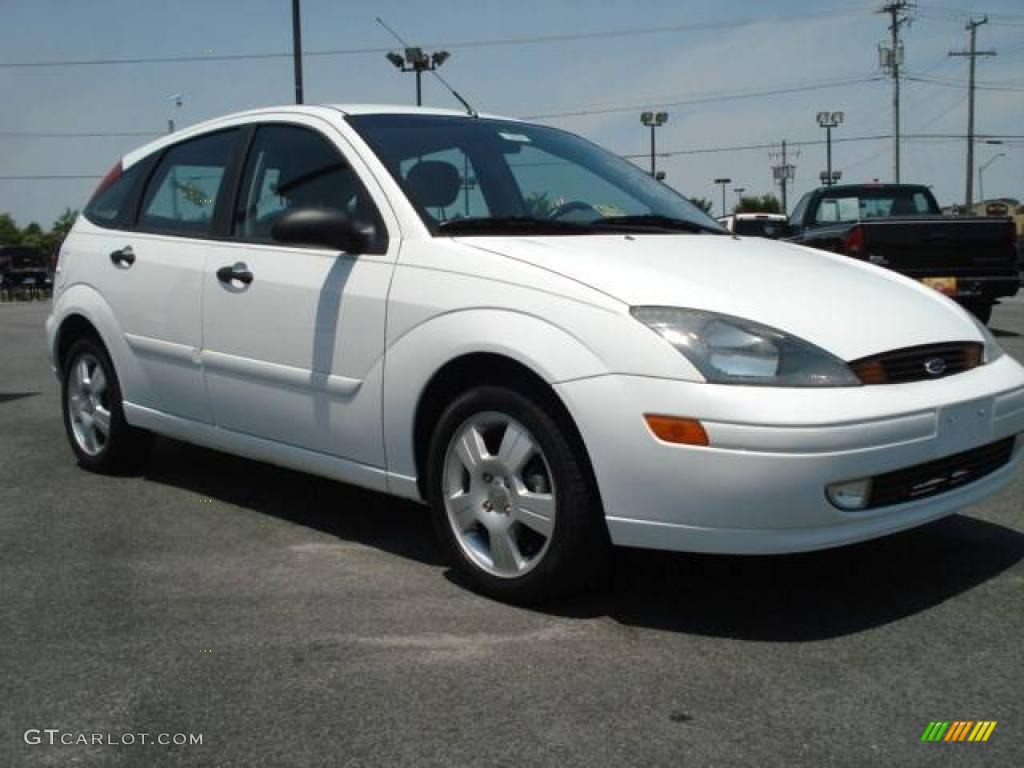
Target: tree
column 9, row 232
column 763, row 204
column 539, row 205
column 703, row 203
column 33, row 236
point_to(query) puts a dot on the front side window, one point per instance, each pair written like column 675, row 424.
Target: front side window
column 182, row 194
column 290, row 167
column 481, row 176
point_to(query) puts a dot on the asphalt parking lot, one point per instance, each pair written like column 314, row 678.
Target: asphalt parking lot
column 295, row 621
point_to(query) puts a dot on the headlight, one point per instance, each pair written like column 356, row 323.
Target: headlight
column 992, row 350
column 731, row 350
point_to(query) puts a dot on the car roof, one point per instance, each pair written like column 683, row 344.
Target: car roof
column 316, row 110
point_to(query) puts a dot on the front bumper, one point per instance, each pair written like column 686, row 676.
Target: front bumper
column 760, row 486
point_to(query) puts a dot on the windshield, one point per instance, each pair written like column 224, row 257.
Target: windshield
column 481, row 176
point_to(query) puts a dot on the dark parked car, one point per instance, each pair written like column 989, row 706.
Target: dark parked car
column 900, row 226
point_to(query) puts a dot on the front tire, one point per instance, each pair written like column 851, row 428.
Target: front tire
column 512, row 500
column 94, row 415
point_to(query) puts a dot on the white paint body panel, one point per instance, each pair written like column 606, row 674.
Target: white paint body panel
column 321, row 362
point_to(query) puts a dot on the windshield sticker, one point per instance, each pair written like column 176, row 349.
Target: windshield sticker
column 521, row 137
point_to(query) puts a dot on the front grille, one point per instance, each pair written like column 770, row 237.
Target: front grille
column 930, row 361
column 938, row 476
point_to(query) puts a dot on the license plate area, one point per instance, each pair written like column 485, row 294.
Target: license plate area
column 964, row 425
column 947, row 286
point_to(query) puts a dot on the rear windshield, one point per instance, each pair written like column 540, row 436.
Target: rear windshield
column 860, row 204
column 760, row 227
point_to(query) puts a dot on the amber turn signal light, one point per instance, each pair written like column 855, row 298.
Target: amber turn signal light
column 673, row 429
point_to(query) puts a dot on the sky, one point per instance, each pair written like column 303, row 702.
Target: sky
column 708, row 64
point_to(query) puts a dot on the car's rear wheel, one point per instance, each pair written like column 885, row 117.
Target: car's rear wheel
column 512, row 499
column 93, row 414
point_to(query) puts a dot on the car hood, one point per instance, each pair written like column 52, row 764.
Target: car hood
column 848, row 307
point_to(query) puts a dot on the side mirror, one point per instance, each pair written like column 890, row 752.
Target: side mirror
column 327, row 227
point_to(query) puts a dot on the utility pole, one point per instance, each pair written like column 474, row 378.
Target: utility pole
column 891, row 60
column 653, row 120
column 297, row 50
column 972, row 54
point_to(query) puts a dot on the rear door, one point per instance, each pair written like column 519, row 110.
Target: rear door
column 295, row 355
column 151, row 271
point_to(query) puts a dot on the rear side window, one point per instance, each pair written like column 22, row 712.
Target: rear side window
column 182, row 193
column 110, row 203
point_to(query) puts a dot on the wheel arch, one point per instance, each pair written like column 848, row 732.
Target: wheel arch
column 453, row 352
column 81, row 309
column 477, row 369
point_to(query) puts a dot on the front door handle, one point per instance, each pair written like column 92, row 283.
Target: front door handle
column 238, row 271
column 123, row 257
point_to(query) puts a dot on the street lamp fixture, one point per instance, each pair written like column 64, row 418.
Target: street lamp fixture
column 653, row 120
column 828, row 121
column 739, row 194
column 419, row 61
column 723, row 182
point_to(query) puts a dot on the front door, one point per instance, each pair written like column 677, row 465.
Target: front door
column 294, row 336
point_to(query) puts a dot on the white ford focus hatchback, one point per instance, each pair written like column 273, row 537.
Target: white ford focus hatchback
column 553, row 350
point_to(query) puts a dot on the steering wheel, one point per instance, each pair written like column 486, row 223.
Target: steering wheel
column 570, row 207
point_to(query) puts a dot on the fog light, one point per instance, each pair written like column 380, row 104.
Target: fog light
column 853, row 494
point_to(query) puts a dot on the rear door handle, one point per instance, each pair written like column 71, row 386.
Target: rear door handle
column 123, row 257
column 238, row 271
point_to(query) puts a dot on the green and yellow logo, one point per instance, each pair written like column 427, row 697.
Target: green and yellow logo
column 959, row 730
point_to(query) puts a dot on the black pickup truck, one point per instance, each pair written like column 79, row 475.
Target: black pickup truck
column 900, row 226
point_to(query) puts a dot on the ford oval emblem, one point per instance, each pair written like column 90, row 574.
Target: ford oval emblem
column 935, row 366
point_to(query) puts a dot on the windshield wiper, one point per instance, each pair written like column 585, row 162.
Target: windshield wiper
column 518, row 224
column 654, row 222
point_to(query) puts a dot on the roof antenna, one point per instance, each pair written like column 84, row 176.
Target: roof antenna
column 469, row 109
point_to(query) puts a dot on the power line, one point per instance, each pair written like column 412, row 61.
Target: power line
column 1008, row 138
column 76, row 134
column 702, row 99
column 493, row 42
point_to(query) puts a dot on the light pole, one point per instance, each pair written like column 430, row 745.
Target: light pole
column 297, row 49
column 419, row 61
column 653, row 120
column 828, row 121
column 739, row 194
column 176, row 98
column 981, row 174
column 723, row 182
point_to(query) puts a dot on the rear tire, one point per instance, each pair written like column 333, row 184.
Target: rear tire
column 94, row 414
column 512, row 500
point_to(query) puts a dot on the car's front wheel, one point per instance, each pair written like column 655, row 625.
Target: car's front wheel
column 512, row 499
column 93, row 414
